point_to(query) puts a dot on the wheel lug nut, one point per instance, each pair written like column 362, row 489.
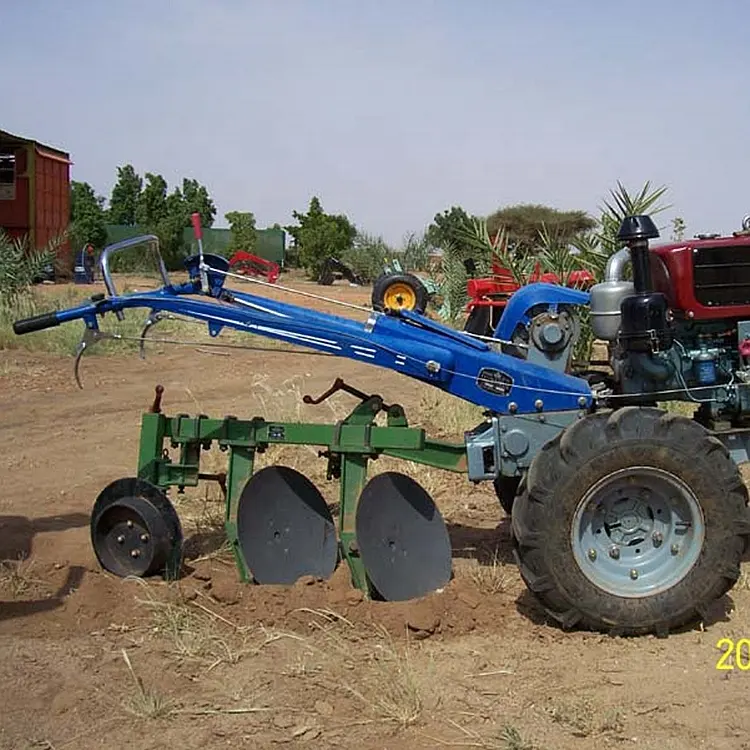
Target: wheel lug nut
column 130, row 524
column 657, row 538
column 634, row 574
column 144, row 538
column 675, row 549
column 135, row 553
column 120, row 539
column 614, row 553
column 592, row 554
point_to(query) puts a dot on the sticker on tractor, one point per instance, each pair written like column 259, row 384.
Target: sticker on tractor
column 494, row 381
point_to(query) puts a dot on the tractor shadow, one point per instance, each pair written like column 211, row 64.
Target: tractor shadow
column 488, row 546
column 17, row 532
column 17, row 535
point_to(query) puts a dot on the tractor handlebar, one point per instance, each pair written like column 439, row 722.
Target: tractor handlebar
column 122, row 245
column 36, row 323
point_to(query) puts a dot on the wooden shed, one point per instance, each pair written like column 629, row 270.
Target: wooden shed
column 34, row 190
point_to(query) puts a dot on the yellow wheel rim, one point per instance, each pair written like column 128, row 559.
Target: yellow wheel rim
column 400, row 296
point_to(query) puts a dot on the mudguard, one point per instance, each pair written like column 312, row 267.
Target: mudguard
column 528, row 297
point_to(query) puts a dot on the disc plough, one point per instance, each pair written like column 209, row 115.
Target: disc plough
column 624, row 518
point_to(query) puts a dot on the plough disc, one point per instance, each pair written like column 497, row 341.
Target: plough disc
column 135, row 530
column 284, row 527
column 402, row 538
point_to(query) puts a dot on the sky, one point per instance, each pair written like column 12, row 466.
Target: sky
column 392, row 111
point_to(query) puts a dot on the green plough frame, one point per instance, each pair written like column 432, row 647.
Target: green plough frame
column 348, row 445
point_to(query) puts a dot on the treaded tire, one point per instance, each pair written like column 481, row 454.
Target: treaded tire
column 593, row 448
column 386, row 280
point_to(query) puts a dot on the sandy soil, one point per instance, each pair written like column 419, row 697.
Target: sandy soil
column 88, row 660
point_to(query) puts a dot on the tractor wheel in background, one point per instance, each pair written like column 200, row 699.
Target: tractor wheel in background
column 399, row 291
column 631, row 522
column 135, row 530
column 506, row 489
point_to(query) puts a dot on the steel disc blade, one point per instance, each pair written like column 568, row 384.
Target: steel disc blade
column 402, row 538
column 284, row 527
column 135, row 529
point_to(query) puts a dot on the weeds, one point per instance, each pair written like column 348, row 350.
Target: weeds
column 16, row 576
column 145, row 703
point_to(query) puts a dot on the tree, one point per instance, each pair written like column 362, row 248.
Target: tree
column 526, row 223
column 197, row 199
column 242, row 230
column 319, row 235
column 123, row 200
column 151, row 205
column 449, row 227
column 87, row 217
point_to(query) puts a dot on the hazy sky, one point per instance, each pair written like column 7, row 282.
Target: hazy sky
column 391, row 111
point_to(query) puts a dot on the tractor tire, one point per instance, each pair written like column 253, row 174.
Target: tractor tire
column 630, row 522
column 399, row 291
column 506, row 489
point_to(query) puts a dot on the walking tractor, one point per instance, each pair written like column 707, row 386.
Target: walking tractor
column 625, row 517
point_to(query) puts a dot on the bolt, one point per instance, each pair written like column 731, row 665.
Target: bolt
column 675, row 549
column 120, row 539
column 657, row 538
column 130, row 524
column 135, row 553
column 634, row 574
column 538, row 404
column 582, row 401
column 512, row 407
column 614, row 552
column 432, row 366
column 144, row 538
column 592, row 554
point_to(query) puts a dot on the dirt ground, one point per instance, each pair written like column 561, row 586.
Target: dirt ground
column 88, row 660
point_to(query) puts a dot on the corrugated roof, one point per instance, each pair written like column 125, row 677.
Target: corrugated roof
column 21, row 141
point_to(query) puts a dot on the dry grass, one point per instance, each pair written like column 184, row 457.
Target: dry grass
column 145, row 703
column 364, row 664
column 492, row 577
column 17, row 576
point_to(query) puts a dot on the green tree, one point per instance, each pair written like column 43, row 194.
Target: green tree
column 151, row 207
column 318, row 235
column 197, row 199
column 123, row 200
column 526, row 223
column 243, row 234
column 87, row 217
column 449, row 227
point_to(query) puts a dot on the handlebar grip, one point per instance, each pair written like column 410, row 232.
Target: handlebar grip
column 36, row 323
column 197, row 229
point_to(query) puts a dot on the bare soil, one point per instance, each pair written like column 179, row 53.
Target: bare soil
column 88, row 660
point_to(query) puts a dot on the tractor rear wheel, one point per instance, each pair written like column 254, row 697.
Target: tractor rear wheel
column 400, row 291
column 631, row 522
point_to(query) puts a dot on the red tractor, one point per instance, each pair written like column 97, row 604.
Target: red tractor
column 490, row 295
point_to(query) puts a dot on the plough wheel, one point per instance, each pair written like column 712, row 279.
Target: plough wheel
column 402, row 538
column 284, row 527
column 135, row 530
column 631, row 522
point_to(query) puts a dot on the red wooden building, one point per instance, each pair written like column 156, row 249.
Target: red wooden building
column 34, row 190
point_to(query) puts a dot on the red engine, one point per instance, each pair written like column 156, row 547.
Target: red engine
column 705, row 279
